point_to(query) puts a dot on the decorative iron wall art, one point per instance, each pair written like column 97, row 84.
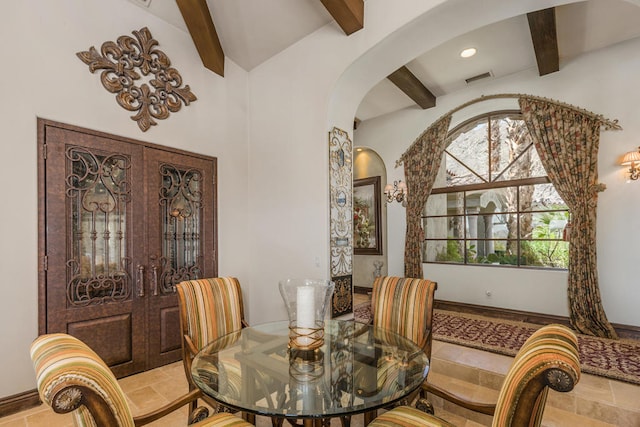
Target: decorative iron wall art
column 125, row 63
column 341, row 220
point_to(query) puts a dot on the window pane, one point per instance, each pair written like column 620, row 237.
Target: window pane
column 540, row 197
column 451, row 205
column 437, row 204
column 527, row 166
column 470, row 146
column 459, row 174
column 542, row 225
column 549, row 254
column 440, row 227
column 450, row 251
column 490, row 226
column 491, row 200
column 509, row 138
column 491, row 252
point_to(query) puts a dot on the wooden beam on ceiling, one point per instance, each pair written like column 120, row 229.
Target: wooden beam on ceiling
column 409, row 84
column 198, row 19
column 349, row 14
column 542, row 25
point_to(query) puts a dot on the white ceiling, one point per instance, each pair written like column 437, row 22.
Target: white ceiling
column 252, row 31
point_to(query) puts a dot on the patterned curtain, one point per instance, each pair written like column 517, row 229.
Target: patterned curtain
column 567, row 142
column 421, row 164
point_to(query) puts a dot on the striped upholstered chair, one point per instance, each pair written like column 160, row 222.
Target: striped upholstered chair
column 209, row 309
column 548, row 359
column 72, row 377
column 403, row 306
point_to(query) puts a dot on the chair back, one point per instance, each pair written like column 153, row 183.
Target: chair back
column 72, row 377
column 210, row 308
column 549, row 358
column 405, row 306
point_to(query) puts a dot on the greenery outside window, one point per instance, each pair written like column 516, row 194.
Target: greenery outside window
column 492, row 202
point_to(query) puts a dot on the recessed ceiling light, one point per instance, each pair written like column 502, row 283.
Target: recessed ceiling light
column 469, row 52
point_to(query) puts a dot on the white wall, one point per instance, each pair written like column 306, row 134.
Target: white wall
column 42, row 77
column 604, row 82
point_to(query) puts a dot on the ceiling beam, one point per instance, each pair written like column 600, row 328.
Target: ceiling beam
column 409, row 84
column 198, row 19
column 542, row 25
column 349, row 14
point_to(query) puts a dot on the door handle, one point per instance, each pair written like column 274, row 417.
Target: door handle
column 154, row 279
column 140, row 280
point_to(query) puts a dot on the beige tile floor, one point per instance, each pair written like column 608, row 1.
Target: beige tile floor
column 594, row 399
column 594, row 402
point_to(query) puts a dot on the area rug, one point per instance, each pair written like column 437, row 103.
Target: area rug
column 614, row 359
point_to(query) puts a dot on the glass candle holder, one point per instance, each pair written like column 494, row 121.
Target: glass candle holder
column 306, row 301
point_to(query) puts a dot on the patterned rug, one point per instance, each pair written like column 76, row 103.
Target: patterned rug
column 614, row 359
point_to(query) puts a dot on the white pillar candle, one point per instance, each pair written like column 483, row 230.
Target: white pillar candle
column 305, row 313
column 306, row 307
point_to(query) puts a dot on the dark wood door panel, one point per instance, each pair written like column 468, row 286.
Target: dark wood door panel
column 170, row 338
column 110, row 337
column 92, row 200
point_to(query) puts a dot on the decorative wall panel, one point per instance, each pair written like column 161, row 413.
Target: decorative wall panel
column 341, row 220
column 127, row 64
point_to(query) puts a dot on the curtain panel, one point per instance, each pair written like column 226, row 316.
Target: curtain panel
column 421, row 164
column 567, row 142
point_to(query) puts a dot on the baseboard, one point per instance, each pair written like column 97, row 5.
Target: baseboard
column 361, row 290
column 624, row 331
column 19, row 402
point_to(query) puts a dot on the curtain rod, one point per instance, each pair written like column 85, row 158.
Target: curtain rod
column 608, row 124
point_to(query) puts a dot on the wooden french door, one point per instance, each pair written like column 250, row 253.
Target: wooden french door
column 181, row 227
column 121, row 222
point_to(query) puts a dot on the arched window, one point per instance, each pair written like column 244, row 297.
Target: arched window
column 492, row 202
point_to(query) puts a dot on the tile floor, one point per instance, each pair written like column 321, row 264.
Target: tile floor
column 475, row 374
column 595, row 402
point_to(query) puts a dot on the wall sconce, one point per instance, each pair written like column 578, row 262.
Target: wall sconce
column 632, row 159
column 396, row 191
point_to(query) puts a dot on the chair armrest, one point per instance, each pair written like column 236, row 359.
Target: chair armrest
column 191, row 347
column 483, row 408
column 167, row 409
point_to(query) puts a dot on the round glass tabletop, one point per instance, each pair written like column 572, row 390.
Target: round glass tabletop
column 358, row 368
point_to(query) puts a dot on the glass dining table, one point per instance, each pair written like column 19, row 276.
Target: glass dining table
column 358, row 369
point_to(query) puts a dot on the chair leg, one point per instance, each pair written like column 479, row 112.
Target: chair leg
column 193, row 405
column 248, row 417
column 370, row 416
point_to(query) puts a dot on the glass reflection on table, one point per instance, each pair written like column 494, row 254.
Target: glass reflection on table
column 358, row 368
